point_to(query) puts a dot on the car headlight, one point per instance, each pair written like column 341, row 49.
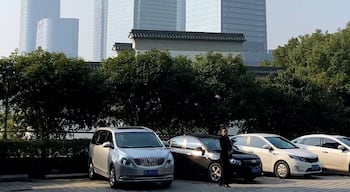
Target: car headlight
column 235, row 162
column 170, row 159
column 127, row 162
column 297, row 158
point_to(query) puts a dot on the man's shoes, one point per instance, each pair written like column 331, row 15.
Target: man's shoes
column 226, row 185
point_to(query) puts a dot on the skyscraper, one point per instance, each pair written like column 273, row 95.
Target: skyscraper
column 58, row 35
column 100, row 29
column 31, row 12
column 232, row 16
column 125, row 15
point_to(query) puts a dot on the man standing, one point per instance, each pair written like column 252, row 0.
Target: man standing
column 226, row 154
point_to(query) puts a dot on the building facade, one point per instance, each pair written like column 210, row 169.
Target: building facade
column 100, row 30
column 187, row 44
column 123, row 16
column 232, row 16
column 58, row 35
column 31, row 12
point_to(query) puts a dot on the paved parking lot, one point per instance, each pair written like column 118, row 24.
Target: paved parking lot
column 334, row 183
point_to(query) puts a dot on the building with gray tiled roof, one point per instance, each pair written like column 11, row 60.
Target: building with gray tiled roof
column 184, row 43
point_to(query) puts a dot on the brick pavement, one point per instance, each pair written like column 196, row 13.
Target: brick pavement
column 334, row 183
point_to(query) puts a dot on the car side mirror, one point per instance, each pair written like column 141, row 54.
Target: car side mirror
column 200, row 149
column 267, row 147
column 107, row 145
column 341, row 147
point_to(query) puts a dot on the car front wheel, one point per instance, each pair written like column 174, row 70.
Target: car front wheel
column 215, row 172
column 112, row 178
column 282, row 170
column 92, row 174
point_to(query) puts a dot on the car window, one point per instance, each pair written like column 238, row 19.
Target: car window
column 192, row 143
column 256, row 142
column 102, row 137
column 239, row 140
column 281, row 143
column 212, row 144
column 95, row 137
column 314, row 141
column 345, row 140
column 137, row 140
column 176, row 142
column 329, row 143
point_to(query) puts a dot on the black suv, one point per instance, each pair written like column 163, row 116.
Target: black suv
column 199, row 155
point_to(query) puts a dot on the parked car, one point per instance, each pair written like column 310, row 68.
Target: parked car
column 199, row 156
column 278, row 155
column 332, row 150
column 130, row 154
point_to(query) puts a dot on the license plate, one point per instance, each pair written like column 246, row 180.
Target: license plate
column 256, row 170
column 315, row 167
column 150, row 172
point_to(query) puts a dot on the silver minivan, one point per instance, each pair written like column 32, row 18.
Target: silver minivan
column 130, row 154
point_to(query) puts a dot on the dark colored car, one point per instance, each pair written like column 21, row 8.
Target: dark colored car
column 199, row 156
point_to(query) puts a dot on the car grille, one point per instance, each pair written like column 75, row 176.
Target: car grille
column 252, row 162
column 149, row 161
column 311, row 160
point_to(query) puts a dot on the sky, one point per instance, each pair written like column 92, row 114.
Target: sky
column 285, row 19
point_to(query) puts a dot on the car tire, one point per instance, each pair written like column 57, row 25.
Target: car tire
column 166, row 184
column 92, row 173
column 113, row 183
column 282, row 169
column 214, row 172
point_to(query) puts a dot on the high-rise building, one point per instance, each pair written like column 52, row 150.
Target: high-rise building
column 58, row 35
column 100, row 30
column 232, row 16
column 125, row 15
column 31, row 12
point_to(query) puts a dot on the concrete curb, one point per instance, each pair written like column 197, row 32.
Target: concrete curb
column 24, row 177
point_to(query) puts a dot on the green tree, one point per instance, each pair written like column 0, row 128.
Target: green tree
column 226, row 90
column 57, row 93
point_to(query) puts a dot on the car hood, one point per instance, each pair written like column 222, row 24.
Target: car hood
column 300, row 152
column 146, row 152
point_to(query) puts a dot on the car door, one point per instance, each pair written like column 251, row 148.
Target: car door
column 197, row 159
column 312, row 144
column 100, row 153
column 256, row 145
column 177, row 149
column 333, row 158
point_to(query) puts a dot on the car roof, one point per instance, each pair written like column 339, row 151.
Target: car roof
column 322, row 135
column 259, row 134
column 198, row 136
column 126, row 129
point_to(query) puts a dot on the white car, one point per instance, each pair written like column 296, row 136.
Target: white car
column 278, row 155
column 333, row 150
column 130, row 154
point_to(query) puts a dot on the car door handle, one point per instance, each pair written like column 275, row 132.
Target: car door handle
column 324, row 151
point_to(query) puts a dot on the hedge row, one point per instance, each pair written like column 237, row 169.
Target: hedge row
column 38, row 158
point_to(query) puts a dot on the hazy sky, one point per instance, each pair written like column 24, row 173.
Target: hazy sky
column 285, row 19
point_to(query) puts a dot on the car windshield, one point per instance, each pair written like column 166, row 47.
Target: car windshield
column 137, row 140
column 281, row 143
column 212, row 144
column 345, row 140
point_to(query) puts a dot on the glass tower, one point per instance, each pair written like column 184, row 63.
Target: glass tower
column 125, row 15
column 31, row 12
column 232, row 16
column 100, row 30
